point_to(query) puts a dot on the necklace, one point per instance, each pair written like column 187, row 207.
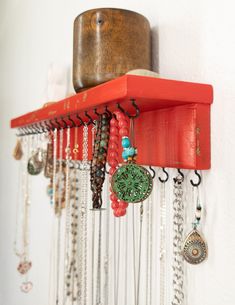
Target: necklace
column 84, row 209
column 18, row 150
column 58, row 210
column 67, row 242
column 97, row 174
column 178, row 229
column 195, row 248
column 162, row 243
column 130, row 182
column 25, row 264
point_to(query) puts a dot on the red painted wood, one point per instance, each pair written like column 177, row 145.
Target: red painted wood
column 173, row 129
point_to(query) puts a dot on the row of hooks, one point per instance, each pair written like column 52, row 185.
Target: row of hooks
column 69, row 121
column 61, row 123
column 195, row 184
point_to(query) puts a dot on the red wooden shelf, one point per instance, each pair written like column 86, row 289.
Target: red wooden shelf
column 173, row 129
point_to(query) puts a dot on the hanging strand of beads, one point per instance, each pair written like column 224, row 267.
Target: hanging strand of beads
column 67, row 243
column 84, row 209
column 178, row 231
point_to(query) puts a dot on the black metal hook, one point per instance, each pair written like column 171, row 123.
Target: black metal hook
column 97, row 113
column 121, row 109
column 53, row 127
column 180, row 173
column 64, row 122
column 72, row 121
column 36, row 129
column 167, row 176
column 80, row 120
column 137, row 111
column 48, row 127
column 90, row 119
column 58, row 124
column 42, row 127
column 153, row 171
column 199, row 179
column 108, row 112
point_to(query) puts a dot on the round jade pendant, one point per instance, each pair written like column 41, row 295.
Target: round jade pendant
column 132, row 183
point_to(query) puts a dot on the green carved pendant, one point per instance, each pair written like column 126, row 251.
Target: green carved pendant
column 132, row 183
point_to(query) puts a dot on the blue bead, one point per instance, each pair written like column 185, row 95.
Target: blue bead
column 126, row 142
column 131, row 152
column 125, row 154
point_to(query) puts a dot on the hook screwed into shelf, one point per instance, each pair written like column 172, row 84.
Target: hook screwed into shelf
column 166, row 174
column 199, row 179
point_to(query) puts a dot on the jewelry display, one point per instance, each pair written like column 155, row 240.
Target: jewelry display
column 97, row 259
column 178, row 231
column 195, row 248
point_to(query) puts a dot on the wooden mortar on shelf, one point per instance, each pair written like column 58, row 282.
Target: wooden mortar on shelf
column 108, row 43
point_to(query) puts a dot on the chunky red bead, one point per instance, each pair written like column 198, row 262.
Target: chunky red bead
column 123, row 132
column 113, row 146
column 116, row 213
column 120, row 116
column 123, row 123
column 113, row 162
column 115, row 205
column 113, row 130
column 113, row 122
column 120, row 212
column 123, row 204
column 113, row 154
column 113, row 197
column 113, row 138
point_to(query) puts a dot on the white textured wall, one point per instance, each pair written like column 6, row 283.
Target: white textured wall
column 196, row 42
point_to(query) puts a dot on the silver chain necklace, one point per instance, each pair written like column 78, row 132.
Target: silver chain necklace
column 178, row 231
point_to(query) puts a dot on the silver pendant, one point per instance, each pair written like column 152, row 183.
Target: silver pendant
column 36, row 163
column 195, row 249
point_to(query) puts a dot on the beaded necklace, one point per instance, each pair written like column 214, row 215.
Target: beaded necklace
column 130, row 182
column 97, row 174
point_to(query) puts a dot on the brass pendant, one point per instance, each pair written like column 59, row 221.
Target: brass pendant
column 195, row 249
column 132, row 183
column 18, row 151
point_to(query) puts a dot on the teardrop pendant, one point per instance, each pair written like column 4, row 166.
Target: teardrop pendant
column 195, row 249
column 18, row 151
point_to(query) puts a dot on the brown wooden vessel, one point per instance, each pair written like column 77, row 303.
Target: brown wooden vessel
column 108, row 43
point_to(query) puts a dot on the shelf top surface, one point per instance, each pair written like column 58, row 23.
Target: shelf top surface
column 148, row 92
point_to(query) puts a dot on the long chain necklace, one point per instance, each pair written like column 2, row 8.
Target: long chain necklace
column 149, row 250
column 25, row 264
column 162, row 243
column 67, row 243
column 178, row 231
column 84, row 209
column 140, row 252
